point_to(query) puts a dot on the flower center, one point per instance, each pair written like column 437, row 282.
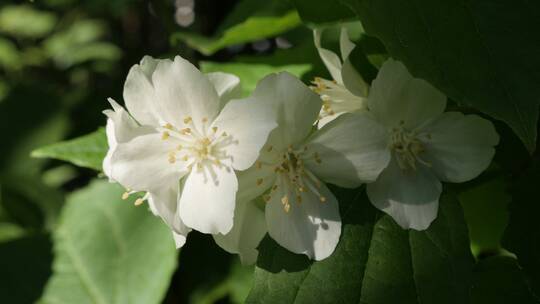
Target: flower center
column 294, row 178
column 336, row 98
column 407, row 148
column 203, row 149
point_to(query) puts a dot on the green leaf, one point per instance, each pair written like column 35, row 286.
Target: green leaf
column 375, row 262
column 109, row 251
column 252, row 20
column 481, row 53
column 499, row 280
column 522, row 235
column 485, row 206
column 85, row 151
column 323, row 11
column 24, row 21
column 251, row 73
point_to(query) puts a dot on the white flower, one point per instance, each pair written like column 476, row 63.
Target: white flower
column 248, row 230
column 187, row 141
column 348, row 91
column 426, row 146
column 301, row 213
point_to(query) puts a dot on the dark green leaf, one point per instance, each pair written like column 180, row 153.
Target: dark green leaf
column 499, row 280
column 522, row 235
column 109, row 251
column 376, row 262
column 481, row 53
column 86, row 151
column 321, row 11
column 252, row 20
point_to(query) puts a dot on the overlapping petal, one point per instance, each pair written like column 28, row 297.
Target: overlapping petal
column 350, row 150
column 310, row 227
column 227, row 86
column 397, row 98
column 410, row 197
column 208, row 199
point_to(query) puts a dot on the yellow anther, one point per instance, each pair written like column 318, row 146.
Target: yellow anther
column 179, row 147
column 287, row 208
column 224, row 134
column 302, row 189
column 172, row 159
column 299, row 199
column 274, row 188
column 125, row 195
column 205, row 120
column 168, row 126
column 285, row 200
column 259, row 181
column 259, row 165
column 214, row 129
column 185, row 131
column 269, row 148
column 165, row 135
column 322, row 198
column 185, row 158
column 187, row 120
column 217, row 162
column 266, row 198
column 138, row 202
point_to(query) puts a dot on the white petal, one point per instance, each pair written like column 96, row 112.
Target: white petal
column 141, row 164
column 249, row 122
column 296, row 106
column 396, row 96
column 311, row 227
column 353, row 149
column 182, row 91
column 207, row 206
column 120, row 128
column 255, row 181
column 410, row 198
column 227, row 86
column 248, row 230
column 139, row 94
column 460, row 146
column 345, row 44
column 179, row 239
column 164, row 203
column 353, row 81
column 329, row 58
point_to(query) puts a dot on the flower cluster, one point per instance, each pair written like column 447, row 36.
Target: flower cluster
column 238, row 168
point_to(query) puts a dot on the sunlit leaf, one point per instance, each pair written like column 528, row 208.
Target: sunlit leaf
column 109, row 251
column 24, row 21
column 86, row 151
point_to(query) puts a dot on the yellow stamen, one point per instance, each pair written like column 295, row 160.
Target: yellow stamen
column 138, row 202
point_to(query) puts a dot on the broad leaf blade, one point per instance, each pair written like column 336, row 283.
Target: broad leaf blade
column 85, row 151
column 108, row 251
column 481, row 53
column 375, row 262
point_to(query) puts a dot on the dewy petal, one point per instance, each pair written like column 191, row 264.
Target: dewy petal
column 351, row 150
column 459, row 146
column 141, row 164
column 207, row 206
column 249, row 122
column 397, row 98
column 227, row 86
column 310, row 227
column 411, row 198
column 183, row 91
column 139, row 94
column 296, row 106
column 248, row 230
column 329, row 58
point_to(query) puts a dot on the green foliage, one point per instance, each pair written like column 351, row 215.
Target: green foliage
column 251, row 73
column 252, row 20
column 24, row 21
column 320, row 12
column 86, row 151
column 480, row 53
column 522, row 235
column 109, row 251
column 375, row 262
